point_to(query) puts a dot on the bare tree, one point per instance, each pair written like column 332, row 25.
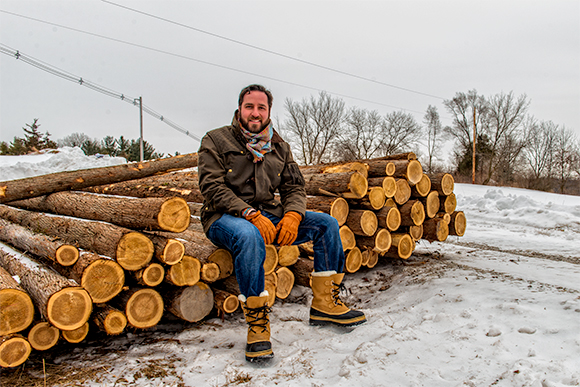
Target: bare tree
column 540, row 140
column 400, row 132
column 314, row 125
column 74, row 139
column 505, row 114
column 434, row 135
column 362, row 137
column 565, row 154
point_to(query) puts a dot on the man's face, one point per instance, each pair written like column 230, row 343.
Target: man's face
column 254, row 111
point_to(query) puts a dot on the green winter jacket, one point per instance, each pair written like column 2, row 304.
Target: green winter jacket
column 230, row 181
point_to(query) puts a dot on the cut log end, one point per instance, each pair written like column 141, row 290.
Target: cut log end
column 144, row 308
column 358, row 185
column 14, row 350
column 186, row 273
column 210, row 272
column 353, row 260
column 192, row 303
column 173, row 252
column 377, row 197
column 285, row 282
column 69, row 308
column 16, row 311
column 67, row 255
column 224, row 260
column 110, row 320
column 383, row 240
column 457, row 223
column 43, row 336
column 134, row 251
column 403, row 192
column 432, row 204
column 339, row 210
column 271, row 260
column 423, row 187
column 174, row 215
column 288, row 255
column 390, row 186
column 347, row 238
column 103, row 279
column 414, row 172
column 152, row 275
column 76, row 335
column 393, row 219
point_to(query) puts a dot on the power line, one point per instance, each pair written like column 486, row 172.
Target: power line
column 210, row 63
column 272, row 52
column 93, row 86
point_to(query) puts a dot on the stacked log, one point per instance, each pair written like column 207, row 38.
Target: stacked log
column 130, row 258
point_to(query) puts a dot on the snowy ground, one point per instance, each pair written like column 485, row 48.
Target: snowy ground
column 499, row 306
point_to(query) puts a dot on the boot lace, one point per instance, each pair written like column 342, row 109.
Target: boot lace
column 258, row 318
column 338, row 288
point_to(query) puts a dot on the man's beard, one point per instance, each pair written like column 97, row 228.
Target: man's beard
column 254, row 128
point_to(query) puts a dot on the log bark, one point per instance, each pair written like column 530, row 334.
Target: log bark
column 225, row 302
column 60, row 300
column 16, row 307
column 142, row 307
column 76, row 335
column 435, row 229
column 422, row 188
column 41, row 245
column 171, row 214
column 139, row 190
column 457, row 223
column 109, row 320
column 412, row 213
column 191, row 303
column 43, row 336
column 380, row 242
column 336, row 207
column 351, row 184
column 443, row 183
column 353, row 166
column 285, row 282
column 132, row 250
column 185, row 273
column 74, row 180
column 403, row 193
column 389, row 217
column 100, row 276
column 288, row 255
column 380, row 168
column 14, row 350
column 362, row 222
column 353, row 260
column 402, row 247
column 302, row 270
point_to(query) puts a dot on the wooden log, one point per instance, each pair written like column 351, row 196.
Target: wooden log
column 139, row 190
column 411, row 170
column 142, row 307
column 435, row 229
column 416, row 232
column 14, row 350
column 191, row 303
column 431, row 204
column 171, row 214
column 353, row 166
column 76, row 335
column 225, row 262
column 445, row 216
column 389, row 185
column 422, row 188
column 43, row 336
column 457, row 224
column 272, row 277
column 167, row 250
column 41, row 245
column 380, row 242
column 285, row 282
column 185, row 273
column 288, row 255
column 364, row 251
column 347, row 238
column 225, row 302
column 373, row 259
column 271, row 261
column 443, row 183
column 353, row 260
column 151, row 275
column 60, row 300
column 210, row 272
column 307, row 248
column 16, row 307
column 389, row 217
column 412, row 213
column 302, row 271
column 373, row 200
column 448, row 203
column 402, row 246
column 351, row 184
column 74, row 180
column 380, row 168
column 335, row 207
column 403, row 193
column 362, row 222
column 131, row 249
column 109, row 319
column 401, row 156
column 100, row 276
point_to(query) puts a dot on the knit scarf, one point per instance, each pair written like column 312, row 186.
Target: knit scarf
column 259, row 143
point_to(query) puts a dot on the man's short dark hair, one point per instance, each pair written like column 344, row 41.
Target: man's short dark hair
column 255, row 87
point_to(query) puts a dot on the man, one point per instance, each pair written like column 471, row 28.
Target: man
column 240, row 168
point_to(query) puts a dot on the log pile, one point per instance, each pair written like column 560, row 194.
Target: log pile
column 118, row 255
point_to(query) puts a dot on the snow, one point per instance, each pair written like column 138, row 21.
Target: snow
column 499, row 306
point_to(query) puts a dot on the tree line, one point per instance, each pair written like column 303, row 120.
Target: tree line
column 511, row 146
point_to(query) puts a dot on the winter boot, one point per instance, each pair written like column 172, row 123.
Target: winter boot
column 256, row 309
column 327, row 307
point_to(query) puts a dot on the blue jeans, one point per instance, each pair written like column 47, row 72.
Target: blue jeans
column 246, row 244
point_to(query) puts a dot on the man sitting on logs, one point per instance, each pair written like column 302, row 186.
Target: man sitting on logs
column 240, row 167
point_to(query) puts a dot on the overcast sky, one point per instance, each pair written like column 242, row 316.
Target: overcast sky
column 418, row 53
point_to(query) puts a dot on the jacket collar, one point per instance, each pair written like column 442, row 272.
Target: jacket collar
column 276, row 138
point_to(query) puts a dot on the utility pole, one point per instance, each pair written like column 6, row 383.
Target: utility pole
column 141, row 152
column 473, row 159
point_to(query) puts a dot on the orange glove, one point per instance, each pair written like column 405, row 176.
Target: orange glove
column 264, row 225
column 288, row 228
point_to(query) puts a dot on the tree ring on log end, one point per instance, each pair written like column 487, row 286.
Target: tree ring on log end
column 103, row 279
column 115, row 322
column 14, row 351
column 347, row 238
column 67, row 255
column 43, row 336
column 144, row 308
column 16, row 311
column 358, row 185
column 134, row 251
column 339, row 210
column 69, row 308
column 76, row 335
column 353, row 260
column 174, row 215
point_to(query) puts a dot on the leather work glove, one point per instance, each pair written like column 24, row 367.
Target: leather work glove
column 264, row 225
column 287, row 229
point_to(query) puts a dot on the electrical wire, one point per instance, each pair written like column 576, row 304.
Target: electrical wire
column 91, row 85
column 211, row 64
